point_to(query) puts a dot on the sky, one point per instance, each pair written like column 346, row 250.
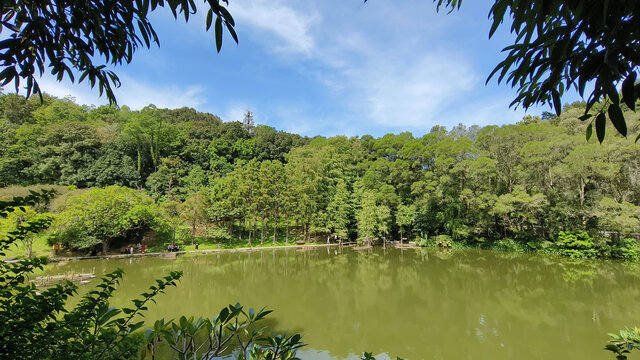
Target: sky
column 325, row 67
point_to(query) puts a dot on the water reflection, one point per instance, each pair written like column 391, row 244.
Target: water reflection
column 424, row 304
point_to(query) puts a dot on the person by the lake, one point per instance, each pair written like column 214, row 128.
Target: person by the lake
column 143, row 248
column 131, row 249
column 170, row 248
column 139, row 246
column 197, row 245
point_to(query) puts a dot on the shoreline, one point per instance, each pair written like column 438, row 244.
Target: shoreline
column 167, row 254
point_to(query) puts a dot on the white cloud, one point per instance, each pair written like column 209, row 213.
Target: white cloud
column 133, row 93
column 380, row 77
column 493, row 111
column 137, row 94
column 290, row 26
column 411, row 94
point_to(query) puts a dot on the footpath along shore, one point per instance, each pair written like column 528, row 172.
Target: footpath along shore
column 175, row 253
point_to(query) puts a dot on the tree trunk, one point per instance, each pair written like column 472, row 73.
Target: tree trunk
column 262, row 229
column 243, row 225
column 194, row 220
column 304, row 231
column 105, row 247
column 139, row 161
column 286, row 222
column 255, row 226
column 250, row 233
column 275, row 225
column 153, row 154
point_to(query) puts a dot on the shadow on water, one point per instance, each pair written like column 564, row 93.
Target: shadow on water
column 416, row 304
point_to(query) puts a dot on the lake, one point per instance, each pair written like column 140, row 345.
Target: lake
column 415, row 304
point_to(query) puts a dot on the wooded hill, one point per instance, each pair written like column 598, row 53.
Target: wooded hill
column 515, row 185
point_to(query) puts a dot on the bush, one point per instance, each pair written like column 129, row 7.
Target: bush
column 620, row 249
column 577, row 245
column 507, row 244
column 443, row 241
column 425, row 242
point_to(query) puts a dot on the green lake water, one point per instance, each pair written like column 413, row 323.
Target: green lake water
column 415, row 304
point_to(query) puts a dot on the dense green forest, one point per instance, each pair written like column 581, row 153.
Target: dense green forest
column 522, row 186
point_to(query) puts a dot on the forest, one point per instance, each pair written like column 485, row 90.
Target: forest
column 537, row 185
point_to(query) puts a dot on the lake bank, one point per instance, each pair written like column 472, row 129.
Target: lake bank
column 55, row 259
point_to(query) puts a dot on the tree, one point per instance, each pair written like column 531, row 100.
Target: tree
column 559, row 45
column 567, row 44
column 404, row 217
column 367, row 217
column 339, row 211
column 100, row 216
column 24, row 215
column 171, row 210
column 71, row 37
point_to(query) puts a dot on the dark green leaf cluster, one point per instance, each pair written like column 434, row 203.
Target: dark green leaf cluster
column 232, row 331
column 569, row 44
column 71, row 37
column 623, row 343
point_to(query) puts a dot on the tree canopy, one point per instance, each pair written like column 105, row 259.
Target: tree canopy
column 479, row 185
column 560, row 45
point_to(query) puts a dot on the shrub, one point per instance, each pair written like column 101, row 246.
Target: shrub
column 425, row 242
column 620, row 249
column 576, row 245
column 443, row 241
column 506, row 244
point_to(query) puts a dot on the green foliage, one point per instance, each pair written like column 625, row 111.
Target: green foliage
column 626, row 248
column 100, row 216
column 38, row 324
column 561, row 45
column 87, row 35
column 623, row 343
column 443, row 241
column 525, row 182
column 508, row 244
column 576, row 245
column 219, row 234
column 18, row 218
column 233, row 330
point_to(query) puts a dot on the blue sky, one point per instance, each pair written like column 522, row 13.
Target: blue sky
column 325, row 67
